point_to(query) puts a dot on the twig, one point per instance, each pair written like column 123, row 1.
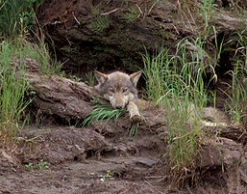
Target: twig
column 112, row 11
column 176, row 29
column 139, row 9
column 73, row 13
column 68, row 40
column 152, row 7
column 154, row 187
column 126, row 190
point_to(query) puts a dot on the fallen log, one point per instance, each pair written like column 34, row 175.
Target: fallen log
column 56, row 95
column 61, row 97
column 90, row 34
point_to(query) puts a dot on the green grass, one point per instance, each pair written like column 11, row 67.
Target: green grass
column 100, row 22
column 237, row 98
column 205, row 10
column 16, row 22
column 13, row 85
column 132, row 14
column 175, row 75
column 40, row 52
column 17, row 17
column 154, row 73
column 184, row 135
column 103, row 111
column 133, row 130
column 12, row 101
column 176, row 82
column 41, row 165
column 89, row 79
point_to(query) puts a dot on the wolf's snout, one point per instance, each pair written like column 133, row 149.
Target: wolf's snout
column 118, row 103
column 118, row 100
column 119, row 106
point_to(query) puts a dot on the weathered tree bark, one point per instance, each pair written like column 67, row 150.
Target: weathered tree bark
column 111, row 35
column 56, row 95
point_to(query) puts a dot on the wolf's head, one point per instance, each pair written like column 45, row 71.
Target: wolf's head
column 119, row 88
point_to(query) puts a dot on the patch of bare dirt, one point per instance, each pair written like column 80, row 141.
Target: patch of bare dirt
column 78, row 160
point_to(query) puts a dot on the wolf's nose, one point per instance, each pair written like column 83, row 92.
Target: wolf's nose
column 118, row 106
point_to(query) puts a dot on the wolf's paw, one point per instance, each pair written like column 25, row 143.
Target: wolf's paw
column 136, row 119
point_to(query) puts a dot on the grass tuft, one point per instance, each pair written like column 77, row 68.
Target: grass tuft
column 103, row 111
column 176, row 82
column 17, row 17
column 237, row 98
column 41, row 54
column 12, row 101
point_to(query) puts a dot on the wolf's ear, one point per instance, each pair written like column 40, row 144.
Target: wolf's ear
column 134, row 77
column 101, row 77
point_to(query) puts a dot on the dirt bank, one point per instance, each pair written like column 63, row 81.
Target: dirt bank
column 78, row 160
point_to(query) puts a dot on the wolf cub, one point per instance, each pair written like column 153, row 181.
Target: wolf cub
column 120, row 90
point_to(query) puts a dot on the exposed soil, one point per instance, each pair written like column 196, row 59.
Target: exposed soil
column 78, row 160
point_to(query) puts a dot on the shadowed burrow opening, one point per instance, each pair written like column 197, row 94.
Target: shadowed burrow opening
column 101, row 153
column 226, row 3
column 225, row 63
column 214, row 176
column 76, row 158
column 232, row 55
column 229, row 4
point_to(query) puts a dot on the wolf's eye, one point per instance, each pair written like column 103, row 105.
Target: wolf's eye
column 111, row 90
column 125, row 90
